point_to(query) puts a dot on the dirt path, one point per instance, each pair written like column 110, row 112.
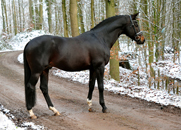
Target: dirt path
column 70, row 99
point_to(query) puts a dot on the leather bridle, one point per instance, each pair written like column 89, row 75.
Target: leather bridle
column 137, row 34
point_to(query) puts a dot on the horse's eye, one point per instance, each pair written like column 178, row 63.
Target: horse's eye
column 136, row 23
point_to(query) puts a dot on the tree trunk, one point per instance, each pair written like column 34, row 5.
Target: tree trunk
column 20, row 20
column 14, row 18
column 3, row 3
column 145, row 28
column 81, row 23
column 40, row 14
column 114, row 60
column 56, row 17
column 162, row 22
column 135, row 6
column 73, row 18
column 11, row 18
column 36, row 15
column 4, row 24
column 23, row 11
column 156, row 9
column 65, row 24
column 92, row 13
column 49, row 8
column 31, row 13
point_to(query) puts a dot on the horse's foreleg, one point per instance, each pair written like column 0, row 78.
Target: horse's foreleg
column 44, row 89
column 92, row 78
column 100, row 75
column 56, row 113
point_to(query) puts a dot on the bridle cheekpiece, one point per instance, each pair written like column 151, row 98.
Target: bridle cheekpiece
column 137, row 34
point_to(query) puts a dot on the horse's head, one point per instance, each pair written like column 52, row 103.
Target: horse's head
column 132, row 30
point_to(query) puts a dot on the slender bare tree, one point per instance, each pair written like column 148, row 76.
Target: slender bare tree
column 73, row 18
column 114, row 60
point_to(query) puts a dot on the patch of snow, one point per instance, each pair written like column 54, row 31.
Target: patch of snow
column 20, row 58
column 6, row 122
column 169, row 68
column 19, row 41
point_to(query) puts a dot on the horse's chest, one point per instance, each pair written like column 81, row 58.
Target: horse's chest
column 101, row 57
column 107, row 57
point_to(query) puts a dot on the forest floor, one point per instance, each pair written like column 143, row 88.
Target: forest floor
column 69, row 98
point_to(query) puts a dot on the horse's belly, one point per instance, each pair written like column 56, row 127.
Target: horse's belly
column 73, row 66
column 68, row 68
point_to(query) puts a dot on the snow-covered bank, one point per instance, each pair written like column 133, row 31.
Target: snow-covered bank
column 19, row 41
column 6, row 122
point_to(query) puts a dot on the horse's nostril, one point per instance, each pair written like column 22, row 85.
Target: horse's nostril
column 138, row 37
column 142, row 39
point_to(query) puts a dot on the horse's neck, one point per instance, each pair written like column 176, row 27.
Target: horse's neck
column 113, row 36
column 109, row 34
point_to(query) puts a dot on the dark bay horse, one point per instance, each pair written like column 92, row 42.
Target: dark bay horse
column 90, row 50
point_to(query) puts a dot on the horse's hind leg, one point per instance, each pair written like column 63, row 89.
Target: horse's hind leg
column 92, row 79
column 44, row 89
column 31, row 94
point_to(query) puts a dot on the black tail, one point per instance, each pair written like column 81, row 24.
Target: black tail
column 30, row 93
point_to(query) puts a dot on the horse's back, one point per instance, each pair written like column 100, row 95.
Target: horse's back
column 44, row 42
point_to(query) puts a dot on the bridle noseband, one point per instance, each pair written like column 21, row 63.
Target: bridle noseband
column 137, row 38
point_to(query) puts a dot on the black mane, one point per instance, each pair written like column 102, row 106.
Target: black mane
column 108, row 20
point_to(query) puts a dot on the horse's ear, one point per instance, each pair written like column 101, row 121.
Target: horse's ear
column 134, row 16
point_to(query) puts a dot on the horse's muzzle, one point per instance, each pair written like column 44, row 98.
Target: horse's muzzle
column 139, row 38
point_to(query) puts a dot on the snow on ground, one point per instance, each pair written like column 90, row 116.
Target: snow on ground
column 7, row 124
column 169, row 68
column 127, row 85
column 19, row 41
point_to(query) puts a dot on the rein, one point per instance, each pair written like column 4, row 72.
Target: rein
column 137, row 38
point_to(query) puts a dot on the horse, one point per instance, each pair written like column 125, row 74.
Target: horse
column 88, row 51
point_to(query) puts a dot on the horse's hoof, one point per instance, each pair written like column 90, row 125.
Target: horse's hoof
column 105, row 110
column 91, row 110
column 57, row 114
column 33, row 117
